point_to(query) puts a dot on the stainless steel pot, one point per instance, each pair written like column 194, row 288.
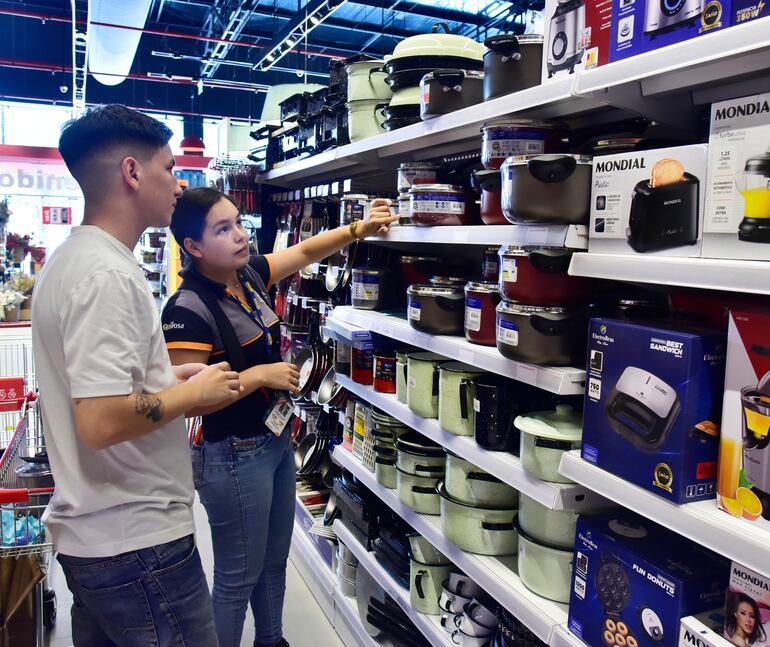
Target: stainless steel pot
column 348, row 587
column 437, row 310
column 419, row 492
column 35, row 475
column 370, row 286
column 541, row 335
column 344, row 553
column 546, row 188
column 426, row 584
column 385, row 471
column 348, row 571
column 473, row 486
column 444, row 91
column 454, row 398
column 423, row 551
column 485, row 531
column 512, row 63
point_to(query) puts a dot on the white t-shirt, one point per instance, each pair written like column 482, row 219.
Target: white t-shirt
column 96, row 332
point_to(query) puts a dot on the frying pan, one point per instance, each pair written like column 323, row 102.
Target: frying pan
column 312, row 362
column 331, row 512
column 329, row 389
column 303, row 453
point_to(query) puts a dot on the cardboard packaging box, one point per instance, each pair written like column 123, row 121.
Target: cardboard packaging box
column 633, row 580
column 747, row 10
column 652, row 406
column 743, row 485
column 649, row 202
column 640, row 26
column 747, row 608
column 703, row 630
column 737, row 223
column 577, row 36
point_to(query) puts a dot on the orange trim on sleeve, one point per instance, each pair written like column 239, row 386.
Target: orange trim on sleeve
column 188, row 345
column 269, row 259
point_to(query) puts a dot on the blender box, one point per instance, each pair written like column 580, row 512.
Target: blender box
column 652, row 405
column 747, row 608
column 577, row 36
column 649, row 202
column 737, row 223
column 640, row 26
column 633, row 580
column 743, row 484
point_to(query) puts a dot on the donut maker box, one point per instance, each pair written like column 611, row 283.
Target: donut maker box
column 652, row 406
column 630, row 216
column 633, row 580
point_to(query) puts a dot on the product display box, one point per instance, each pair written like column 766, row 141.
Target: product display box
column 577, row 36
column 746, row 10
column 652, row 406
column 640, row 26
column 703, row 630
column 649, row 202
column 743, row 485
column 747, row 608
column 737, row 223
column 633, row 580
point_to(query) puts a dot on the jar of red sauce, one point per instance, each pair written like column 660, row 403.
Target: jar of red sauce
column 481, row 299
column 384, row 372
column 362, row 366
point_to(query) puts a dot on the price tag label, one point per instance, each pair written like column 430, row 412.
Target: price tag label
column 526, row 373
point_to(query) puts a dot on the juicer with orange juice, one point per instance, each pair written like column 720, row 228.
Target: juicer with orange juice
column 755, row 402
column 754, row 186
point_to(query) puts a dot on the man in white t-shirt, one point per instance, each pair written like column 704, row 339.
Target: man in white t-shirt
column 112, row 404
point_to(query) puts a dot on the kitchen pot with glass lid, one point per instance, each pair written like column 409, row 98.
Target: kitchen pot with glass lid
column 754, row 186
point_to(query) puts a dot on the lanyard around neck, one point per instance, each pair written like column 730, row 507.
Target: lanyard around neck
column 254, row 313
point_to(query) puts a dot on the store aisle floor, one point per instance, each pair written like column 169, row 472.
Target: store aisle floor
column 305, row 625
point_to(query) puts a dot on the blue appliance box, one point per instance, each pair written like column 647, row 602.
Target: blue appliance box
column 634, row 580
column 746, row 10
column 653, row 406
column 640, row 26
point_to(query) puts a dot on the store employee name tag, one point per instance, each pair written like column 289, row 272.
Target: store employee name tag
column 279, row 415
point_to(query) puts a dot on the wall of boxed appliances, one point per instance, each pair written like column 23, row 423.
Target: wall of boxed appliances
column 488, row 394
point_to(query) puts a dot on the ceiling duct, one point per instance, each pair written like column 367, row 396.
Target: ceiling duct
column 111, row 50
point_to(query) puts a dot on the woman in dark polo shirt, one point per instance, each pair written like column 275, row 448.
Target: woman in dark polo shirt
column 243, row 471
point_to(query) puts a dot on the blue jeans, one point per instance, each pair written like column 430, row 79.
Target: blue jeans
column 154, row 597
column 248, row 489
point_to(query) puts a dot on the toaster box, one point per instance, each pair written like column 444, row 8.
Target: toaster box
column 737, row 223
column 649, row 202
column 640, row 26
column 633, row 580
column 577, row 36
column 652, row 406
column 747, row 608
column 743, row 483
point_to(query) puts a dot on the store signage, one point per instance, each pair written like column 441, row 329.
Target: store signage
column 57, row 215
column 35, row 178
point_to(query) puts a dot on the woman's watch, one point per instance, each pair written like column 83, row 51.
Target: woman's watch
column 352, row 229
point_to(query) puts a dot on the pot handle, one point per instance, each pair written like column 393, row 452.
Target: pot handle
column 488, row 525
column 452, row 305
column 551, row 324
column 441, row 25
column 418, row 583
column 430, row 469
column 554, row 261
column 419, row 489
column 449, row 78
column 552, row 169
column 550, row 443
column 464, row 396
column 380, row 108
column 382, row 460
column 405, row 373
column 374, row 70
column 508, row 46
column 481, row 476
column 435, row 380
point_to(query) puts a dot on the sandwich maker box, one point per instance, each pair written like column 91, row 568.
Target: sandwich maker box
column 652, row 405
column 640, row 26
column 649, row 202
column 743, row 484
column 747, row 607
column 737, row 223
column 633, row 580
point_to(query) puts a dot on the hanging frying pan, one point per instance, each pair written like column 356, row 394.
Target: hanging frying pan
column 303, row 453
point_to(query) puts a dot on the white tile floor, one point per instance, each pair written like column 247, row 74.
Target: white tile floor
column 305, row 625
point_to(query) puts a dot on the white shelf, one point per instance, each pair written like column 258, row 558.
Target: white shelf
column 561, row 380
column 428, row 625
column 706, row 273
column 563, row 638
column 497, row 576
column 347, row 620
column 574, row 236
column 505, row 466
column 702, row 521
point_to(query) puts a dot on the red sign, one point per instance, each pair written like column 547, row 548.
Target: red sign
column 57, row 215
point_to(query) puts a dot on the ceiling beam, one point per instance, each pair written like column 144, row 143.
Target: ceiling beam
column 235, row 24
column 439, row 13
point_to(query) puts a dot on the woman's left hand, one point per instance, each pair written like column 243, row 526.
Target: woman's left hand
column 380, row 219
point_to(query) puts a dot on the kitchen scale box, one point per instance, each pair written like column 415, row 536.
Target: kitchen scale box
column 737, row 223
column 652, row 406
column 640, row 26
column 747, row 607
column 743, row 485
column 633, row 580
column 649, row 202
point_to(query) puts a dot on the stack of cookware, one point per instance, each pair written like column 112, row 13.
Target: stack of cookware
column 391, row 548
column 413, row 174
column 512, row 633
column 429, row 568
column 359, row 508
column 420, row 467
column 347, row 570
column 367, row 93
column 385, row 431
column 475, row 625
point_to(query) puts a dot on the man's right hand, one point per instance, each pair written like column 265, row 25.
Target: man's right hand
column 281, row 377
column 216, row 384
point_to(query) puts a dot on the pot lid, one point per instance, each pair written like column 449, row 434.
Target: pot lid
column 436, row 44
column 482, row 286
column 467, row 74
column 759, row 164
column 563, row 423
column 408, row 166
column 406, row 97
column 415, row 440
column 516, row 123
column 433, row 188
column 521, row 160
column 419, row 259
column 435, row 291
column 460, row 367
column 453, row 281
column 505, row 42
column 509, row 307
column 524, row 250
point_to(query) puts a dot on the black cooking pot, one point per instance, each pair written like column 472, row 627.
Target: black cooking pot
column 444, row 91
column 511, row 63
column 438, row 310
column 407, row 111
column 402, row 71
column 395, row 124
column 495, row 405
column 406, row 78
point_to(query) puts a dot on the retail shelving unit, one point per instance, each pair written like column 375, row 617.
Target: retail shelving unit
column 505, row 466
column 702, row 521
column 428, row 625
column 574, row 236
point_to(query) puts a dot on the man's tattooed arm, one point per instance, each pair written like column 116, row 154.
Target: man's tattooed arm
column 150, row 406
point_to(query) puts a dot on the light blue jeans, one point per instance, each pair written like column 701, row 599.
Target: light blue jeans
column 248, row 489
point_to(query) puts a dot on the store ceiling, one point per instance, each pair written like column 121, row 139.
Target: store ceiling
column 184, row 41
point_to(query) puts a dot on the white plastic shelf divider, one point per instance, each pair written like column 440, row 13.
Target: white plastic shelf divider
column 505, row 466
column 562, row 637
column 575, row 236
column 701, row 521
column 561, row 380
column 341, row 331
column 497, row 576
column 706, row 273
column 428, row 625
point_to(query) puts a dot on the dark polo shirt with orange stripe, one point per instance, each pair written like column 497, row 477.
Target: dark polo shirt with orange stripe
column 188, row 324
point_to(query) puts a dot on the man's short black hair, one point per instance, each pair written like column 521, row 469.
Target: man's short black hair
column 192, row 207
column 101, row 128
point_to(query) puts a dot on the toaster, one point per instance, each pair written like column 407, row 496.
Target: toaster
column 642, row 408
column 664, row 217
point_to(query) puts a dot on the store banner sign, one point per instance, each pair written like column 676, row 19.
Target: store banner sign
column 35, row 178
column 57, row 215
